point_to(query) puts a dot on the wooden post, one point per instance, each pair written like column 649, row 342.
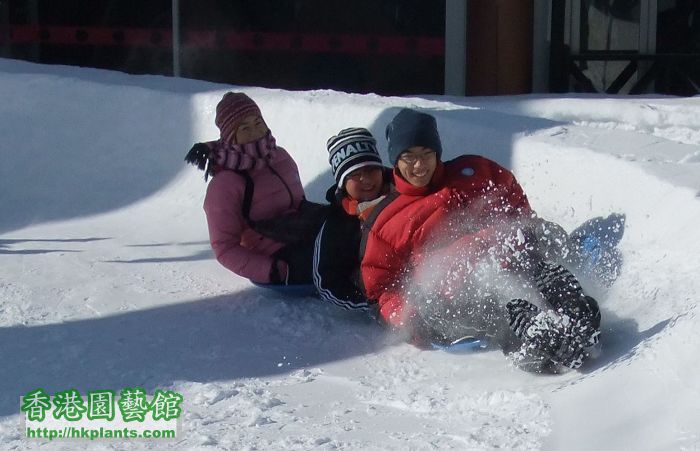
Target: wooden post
column 499, row 47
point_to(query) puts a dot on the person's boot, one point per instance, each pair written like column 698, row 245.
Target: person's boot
column 550, row 339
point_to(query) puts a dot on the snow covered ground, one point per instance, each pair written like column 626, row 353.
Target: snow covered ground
column 107, row 279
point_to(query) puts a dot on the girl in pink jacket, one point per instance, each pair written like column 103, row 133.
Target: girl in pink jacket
column 252, row 179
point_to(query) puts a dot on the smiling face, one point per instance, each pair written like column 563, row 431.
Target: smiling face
column 251, row 128
column 365, row 183
column 417, row 165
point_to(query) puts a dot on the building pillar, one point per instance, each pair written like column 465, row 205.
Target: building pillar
column 455, row 47
column 499, row 47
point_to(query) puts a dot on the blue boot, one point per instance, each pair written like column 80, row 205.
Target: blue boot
column 595, row 253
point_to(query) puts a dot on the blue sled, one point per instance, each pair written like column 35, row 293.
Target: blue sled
column 289, row 290
column 463, row 345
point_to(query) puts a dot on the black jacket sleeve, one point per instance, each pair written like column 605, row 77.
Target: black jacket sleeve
column 336, row 264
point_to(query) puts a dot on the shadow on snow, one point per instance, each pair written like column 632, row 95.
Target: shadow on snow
column 247, row 334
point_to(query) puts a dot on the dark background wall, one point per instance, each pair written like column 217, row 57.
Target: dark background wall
column 383, row 46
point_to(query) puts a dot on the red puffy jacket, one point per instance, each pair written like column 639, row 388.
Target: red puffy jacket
column 466, row 199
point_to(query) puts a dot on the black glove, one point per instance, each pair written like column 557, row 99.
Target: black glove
column 300, row 226
column 275, row 276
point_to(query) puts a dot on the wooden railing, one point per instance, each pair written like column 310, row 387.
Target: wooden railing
column 669, row 73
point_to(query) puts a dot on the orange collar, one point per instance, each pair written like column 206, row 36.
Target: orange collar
column 362, row 209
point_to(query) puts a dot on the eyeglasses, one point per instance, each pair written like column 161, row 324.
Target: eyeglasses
column 365, row 172
column 412, row 158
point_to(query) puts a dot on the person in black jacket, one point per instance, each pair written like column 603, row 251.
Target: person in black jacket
column 362, row 183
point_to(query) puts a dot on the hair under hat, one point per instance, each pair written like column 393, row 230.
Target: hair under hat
column 411, row 128
column 231, row 110
column 351, row 149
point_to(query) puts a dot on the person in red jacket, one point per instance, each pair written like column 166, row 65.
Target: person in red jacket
column 437, row 255
column 254, row 179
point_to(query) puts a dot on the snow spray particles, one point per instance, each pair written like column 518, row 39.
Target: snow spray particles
column 461, row 285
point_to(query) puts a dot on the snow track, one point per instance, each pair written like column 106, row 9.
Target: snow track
column 107, row 279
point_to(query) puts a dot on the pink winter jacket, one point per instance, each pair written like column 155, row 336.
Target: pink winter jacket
column 277, row 190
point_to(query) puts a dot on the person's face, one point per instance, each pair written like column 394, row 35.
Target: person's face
column 417, row 165
column 252, row 128
column 365, row 183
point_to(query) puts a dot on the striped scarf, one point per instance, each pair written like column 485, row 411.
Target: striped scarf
column 253, row 155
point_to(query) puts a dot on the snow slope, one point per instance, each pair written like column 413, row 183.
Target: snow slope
column 107, row 279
